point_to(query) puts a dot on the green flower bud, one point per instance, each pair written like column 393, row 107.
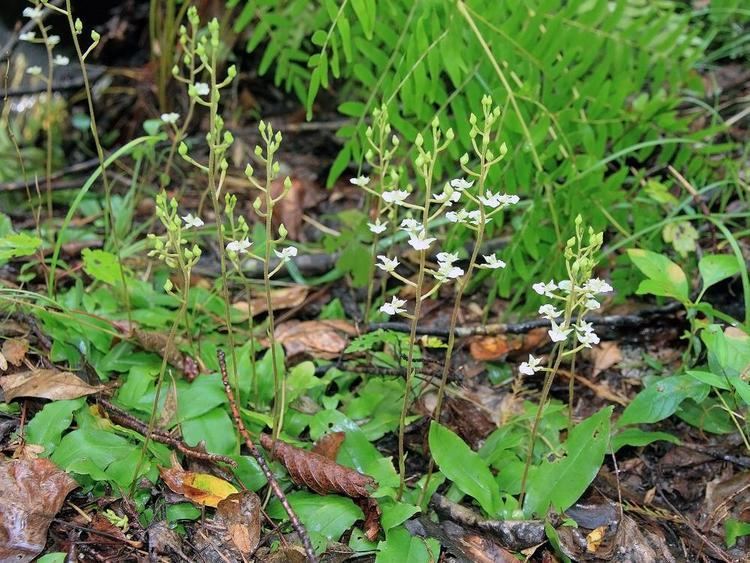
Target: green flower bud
column 249, row 171
column 464, row 159
column 232, row 72
column 287, row 182
column 449, row 134
column 419, row 141
column 168, row 285
column 78, row 26
column 258, row 151
column 257, row 204
column 282, row 231
column 95, row 37
column 182, row 149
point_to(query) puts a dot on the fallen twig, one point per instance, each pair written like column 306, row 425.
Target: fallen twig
column 126, row 419
column 272, row 482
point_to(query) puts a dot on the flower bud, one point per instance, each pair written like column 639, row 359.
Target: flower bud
column 282, row 231
column 232, row 72
column 287, row 183
column 95, row 36
column 257, row 204
column 419, row 141
column 449, row 134
column 249, row 171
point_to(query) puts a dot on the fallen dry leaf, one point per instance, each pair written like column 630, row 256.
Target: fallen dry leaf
column 606, row 355
column 46, row 384
column 319, row 339
column 33, row 491
column 200, row 488
column 14, row 350
column 489, row 348
column 240, row 514
column 329, row 445
column 284, row 298
column 318, row 473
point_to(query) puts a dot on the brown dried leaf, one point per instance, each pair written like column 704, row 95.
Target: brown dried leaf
column 159, row 343
column 318, row 473
column 32, row 491
column 372, row 512
column 489, row 348
column 606, row 355
column 320, row 339
column 46, row 384
column 284, row 298
column 328, row 446
column 14, row 350
column 240, row 515
column 200, row 488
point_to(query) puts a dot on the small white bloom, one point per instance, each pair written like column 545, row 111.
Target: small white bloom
column 201, row 88
column 447, row 271
column 411, row 225
column 27, row 36
column 53, row 40
column 459, row 216
column 420, row 241
column 549, row 312
column 192, row 221
column 492, row 262
column 360, row 181
column 475, row 217
column 557, row 334
column 387, row 265
column 61, row 60
column 395, row 307
column 34, row 70
column 33, row 13
column 506, row 199
column 585, row 334
column 545, row 289
column 396, row 197
column 449, row 196
column 286, row 253
column 447, row 257
column 377, row 227
column 530, row 367
column 461, row 184
column 239, row 246
column 591, row 304
column 597, row 286
column 170, row 118
column 490, row 200
column 565, row 285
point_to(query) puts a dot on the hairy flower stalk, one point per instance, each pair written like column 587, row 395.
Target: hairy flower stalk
column 379, row 156
column 579, row 294
column 264, row 208
column 486, row 160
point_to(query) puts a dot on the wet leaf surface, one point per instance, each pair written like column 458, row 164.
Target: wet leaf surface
column 33, row 491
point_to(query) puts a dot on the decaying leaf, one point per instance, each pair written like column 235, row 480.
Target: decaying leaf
column 159, row 343
column 32, row 493
column 489, row 348
column 46, row 384
column 328, row 446
column 284, row 298
column 14, row 350
column 605, row 355
column 320, row 339
column 318, row 473
column 240, row 515
column 200, row 488
column 372, row 512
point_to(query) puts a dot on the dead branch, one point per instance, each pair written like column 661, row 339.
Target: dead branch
column 272, row 482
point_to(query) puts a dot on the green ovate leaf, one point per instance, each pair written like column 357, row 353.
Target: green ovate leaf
column 459, row 463
column 400, row 546
column 665, row 278
column 662, row 398
column 561, row 482
column 101, row 265
column 717, row 267
column 47, row 427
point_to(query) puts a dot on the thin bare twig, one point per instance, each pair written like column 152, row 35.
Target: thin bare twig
column 272, row 482
column 129, row 421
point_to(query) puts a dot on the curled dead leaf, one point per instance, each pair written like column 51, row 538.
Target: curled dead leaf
column 328, row 446
column 606, row 355
column 283, row 298
column 33, row 492
column 240, row 514
column 200, row 488
column 320, row 339
column 46, row 384
column 15, row 349
column 489, row 348
column 318, row 473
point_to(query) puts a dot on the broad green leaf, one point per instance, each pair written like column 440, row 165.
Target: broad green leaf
column 215, row 428
column 665, row 278
column 459, row 463
column 637, row 437
column 728, row 350
column 562, row 482
column 101, row 265
column 329, row 515
column 48, row 425
column 182, row 511
column 734, row 529
column 717, row 267
column 56, row 557
column 395, row 513
column 18, row 245
column 661, row 399
column 709, row 416
column 400, row 546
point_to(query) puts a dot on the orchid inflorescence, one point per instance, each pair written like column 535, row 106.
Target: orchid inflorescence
column 577, row 295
